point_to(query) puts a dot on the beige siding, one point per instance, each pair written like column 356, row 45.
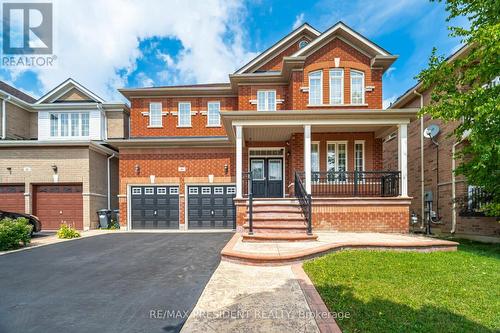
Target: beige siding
column 18, row 122
column 117, row 125
column 73, row 95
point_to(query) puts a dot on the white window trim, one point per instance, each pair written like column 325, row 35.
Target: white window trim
column 319, row 155
column 161, row 189
column 193, row 190
column 360, row 142
column 267, row 98
column 179, row 114
column 336, row 143
column 146, row 190
column 208, row 114
column 161, row 115
column 69, row 136
column 320, row 90
column 219, row 190
column 136, row 191
column 231, row 190
column 173, row 190
column 341, row 85
column 362, row 86
column 206, row 190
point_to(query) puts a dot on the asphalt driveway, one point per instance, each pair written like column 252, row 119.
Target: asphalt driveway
column 124, row 282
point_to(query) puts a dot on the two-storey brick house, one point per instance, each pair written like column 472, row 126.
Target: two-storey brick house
column 55, row 161
column 304, row 117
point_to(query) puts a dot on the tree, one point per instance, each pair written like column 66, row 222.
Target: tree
column 467, row 90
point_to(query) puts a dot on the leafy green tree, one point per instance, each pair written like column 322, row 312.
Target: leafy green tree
column 467, row 90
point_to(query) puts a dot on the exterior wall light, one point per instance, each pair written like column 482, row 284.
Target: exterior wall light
column 54, row 168
column 137, row 169
column 226, row 169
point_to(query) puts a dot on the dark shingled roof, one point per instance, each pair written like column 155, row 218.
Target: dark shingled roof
column 16, row 93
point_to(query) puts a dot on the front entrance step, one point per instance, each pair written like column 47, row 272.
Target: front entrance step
column 272, row 201
column 277, row 209
column 277, row 228
column 277, row 219
column 277, row 237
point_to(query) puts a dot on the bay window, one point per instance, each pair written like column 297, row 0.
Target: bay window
column 184, row 115
column 155, row 119
column 69, row 124
column 336, row 86
column 316, row 88
column 357, row 87
column 213, row 114
column 266, row 100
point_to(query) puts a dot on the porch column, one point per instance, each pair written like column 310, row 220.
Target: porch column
column 403, row 157
column 307, row 157
column 239, row 162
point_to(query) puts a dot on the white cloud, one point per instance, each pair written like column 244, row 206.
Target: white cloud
column 388, row 73
column 299, row 19
column 144, row 80
column 94, row 39
column 388, row 101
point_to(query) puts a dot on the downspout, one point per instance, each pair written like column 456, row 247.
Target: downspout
column 109, row 180
column 453, row 189
column 422, row 164
column 4, row 117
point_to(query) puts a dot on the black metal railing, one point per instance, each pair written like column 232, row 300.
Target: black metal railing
column 305, row 201
column 354, row 183
column 247, row 191
column 473, row 202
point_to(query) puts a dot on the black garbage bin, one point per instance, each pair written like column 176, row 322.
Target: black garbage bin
column 116, row 213
column 104, row 216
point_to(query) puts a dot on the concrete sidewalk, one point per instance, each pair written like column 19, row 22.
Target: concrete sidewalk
column 242, row 298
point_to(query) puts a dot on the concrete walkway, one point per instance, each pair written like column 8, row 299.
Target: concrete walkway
column 291, row 252
column 242, row 298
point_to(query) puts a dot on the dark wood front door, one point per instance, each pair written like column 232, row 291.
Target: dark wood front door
column 267, row 174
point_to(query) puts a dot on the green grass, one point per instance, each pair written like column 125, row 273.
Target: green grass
column 387, row 291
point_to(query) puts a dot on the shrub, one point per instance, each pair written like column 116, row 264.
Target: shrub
column 14, row 232
column 66, row 232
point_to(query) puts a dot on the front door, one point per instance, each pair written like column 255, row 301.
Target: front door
column 267, row 177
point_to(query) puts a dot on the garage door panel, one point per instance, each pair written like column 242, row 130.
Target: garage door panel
column 57, row 204
column 12, row 198
column 155, row 207
column 211, row 207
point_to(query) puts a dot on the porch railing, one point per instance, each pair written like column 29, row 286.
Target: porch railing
column 304, row 200
column 354, row 183
column 247, row 185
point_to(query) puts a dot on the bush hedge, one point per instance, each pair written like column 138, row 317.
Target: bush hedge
column 66, row 231
column 14, row 233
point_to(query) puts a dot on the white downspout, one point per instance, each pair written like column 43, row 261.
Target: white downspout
column 4, row 117
column 422, row 164
column 453, row 189
column 109, row 181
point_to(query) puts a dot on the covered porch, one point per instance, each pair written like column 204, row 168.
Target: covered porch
column 328, row 162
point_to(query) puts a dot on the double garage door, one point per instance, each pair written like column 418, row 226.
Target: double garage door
column 157, row 207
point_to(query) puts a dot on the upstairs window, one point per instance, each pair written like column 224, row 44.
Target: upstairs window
column 184, row 115
column 213, row 114
column 155, row 115
column 357, row 87
column 316, row 88
column 266, row 100
column 336, row 86
column 69, row 124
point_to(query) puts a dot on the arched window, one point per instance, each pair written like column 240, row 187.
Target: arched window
column 357, row 87
column 337, row 86
column 316, row 88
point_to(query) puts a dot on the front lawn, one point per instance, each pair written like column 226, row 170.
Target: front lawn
column 386, row 291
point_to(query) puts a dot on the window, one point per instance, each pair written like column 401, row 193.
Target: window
column 316, row 88
column 136, row 190
column 336, row 86
column 213, row 114
column 161, row 190
column 69, row 124
column 218, row 190
column 173, row 190
column 231, row 190
column 359, row 156
column 155, row 115
column 193, row 190
column 303, row 43
column 206, row 190
column 266, row 100
column 357, row 87
column 149, row 190
column 184, row 115
column 315, row 161
column 336, row 160
column 257, row 169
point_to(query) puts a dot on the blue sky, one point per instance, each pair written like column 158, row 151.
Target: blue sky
column 184, row 42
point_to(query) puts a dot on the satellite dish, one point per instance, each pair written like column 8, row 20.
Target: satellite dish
column 431, row 131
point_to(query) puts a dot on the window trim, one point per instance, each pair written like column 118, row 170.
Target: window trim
column 179, row 115
column 336, row 143
column 341, row 70
column 362, row 143
column 161, row 114
column 362, row 86
column 230, row 190
column 161, row 189
column 320, row 87
column 218, row 190
column 267, row 91
column 206, row 190
column 148, row 189
column 134, row 192
column 173, row 190
column 208, row 114
column 193, row 190
column 69, row 131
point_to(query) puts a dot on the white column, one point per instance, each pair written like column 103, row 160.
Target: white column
column 403, row 157
column 239, row 162
column 307, row 157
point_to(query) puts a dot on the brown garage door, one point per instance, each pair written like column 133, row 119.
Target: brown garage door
column 12, row 198
column 56, row 204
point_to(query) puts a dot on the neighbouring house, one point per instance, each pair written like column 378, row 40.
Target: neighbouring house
column 55, row 162
column 304, row 118
column 453, row 204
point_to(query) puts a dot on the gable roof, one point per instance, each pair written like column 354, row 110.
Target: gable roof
column 279, row 46
column 66, row 86
column 16, row 93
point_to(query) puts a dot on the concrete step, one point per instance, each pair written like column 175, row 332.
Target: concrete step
column 277, row 219
column 277, row 209
column 278, row 237
column 275, row 215
column 277, row 228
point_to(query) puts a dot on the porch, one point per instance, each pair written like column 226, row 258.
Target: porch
column 326, row 164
